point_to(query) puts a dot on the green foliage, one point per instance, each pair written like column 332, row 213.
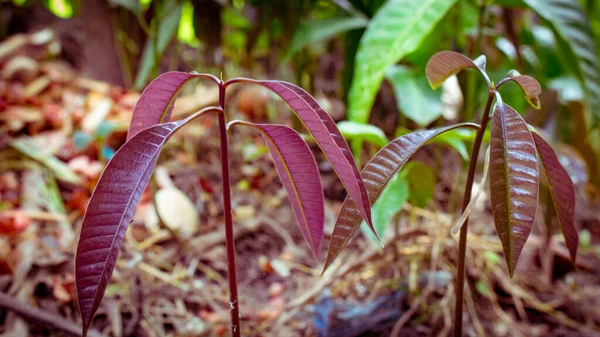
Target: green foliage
column 363, row 132
column 390, row 202
column 414, row 97
column 317, row 31
column 572, row 27
column 421, row 181
column 165, row 26
column 397, row 29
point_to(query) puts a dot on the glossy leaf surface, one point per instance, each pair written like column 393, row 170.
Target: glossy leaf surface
column 397, row 29
column 109, row 212
column 573, row 26
column 529, row 85
column 376, row 175
column 322, row 30
column 328, row 137
column 447, row 63
column 514, row 181
column 156, row 102
column 299, row 174
column 562, row 193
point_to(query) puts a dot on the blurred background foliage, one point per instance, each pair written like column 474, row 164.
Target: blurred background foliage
column 366, row 55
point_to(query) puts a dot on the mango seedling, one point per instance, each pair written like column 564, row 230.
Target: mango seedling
column 515, row 155
column 118, row 192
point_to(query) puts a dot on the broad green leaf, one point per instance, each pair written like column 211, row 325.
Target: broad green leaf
column 367, row 132
column 398, row 28
column 562, row 193
column 455, row 141
column 514, row 181
column 317, row 31
column 376, row 175
column 421, row 182
column 166, row 23
column 389, row 204
column 569, row 20
column 132, row 5
column 414, row 97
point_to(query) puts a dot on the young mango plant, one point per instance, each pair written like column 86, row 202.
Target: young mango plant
column 515, row 155
column 114, row 200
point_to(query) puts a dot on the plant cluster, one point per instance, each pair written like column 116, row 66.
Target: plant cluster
column 515, row 156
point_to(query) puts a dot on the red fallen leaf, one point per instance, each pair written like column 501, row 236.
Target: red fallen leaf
column 206, row 186
column 13, row 222
column 79, row 200
column 5, row 268
column 64, row 289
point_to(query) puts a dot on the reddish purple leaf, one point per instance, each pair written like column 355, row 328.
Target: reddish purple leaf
column 156, row 102
column 529, row 85
column 299, row 174
column 447, row 63
column 328, row 137
column 514, row 181
column 110, row 210
column 376, row 175
column 562, row 193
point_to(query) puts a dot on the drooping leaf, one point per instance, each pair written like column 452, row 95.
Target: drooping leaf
column 317, row 31
column 398, row 28
column 299, row 174
column 367, row 132
column 447, row 63
column 562, row 193
column 156, row 102
column 376, row 175
column 569, row 20
column 529, row 85
column 166, row 23
column 110, row 210
column 415, row 99
column 514, row 181
column 390, row 202
column 322, row 127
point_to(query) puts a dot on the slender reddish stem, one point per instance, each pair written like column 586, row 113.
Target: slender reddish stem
column 462, row 241
column 229, row 239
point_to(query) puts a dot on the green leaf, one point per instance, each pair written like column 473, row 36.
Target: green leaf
column 132, row 5
column 569, row 20
column 390, row 202
column 32, row 148
column 317, row 31
column 167, row 22
column 421, row 182
column 415, row 98
column 398, row 28
column 455, row 141
column 367, row 132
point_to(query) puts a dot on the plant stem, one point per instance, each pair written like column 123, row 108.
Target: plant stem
column 229, row 239
column 462, row 241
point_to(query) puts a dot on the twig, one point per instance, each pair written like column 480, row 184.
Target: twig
column 42, row 316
